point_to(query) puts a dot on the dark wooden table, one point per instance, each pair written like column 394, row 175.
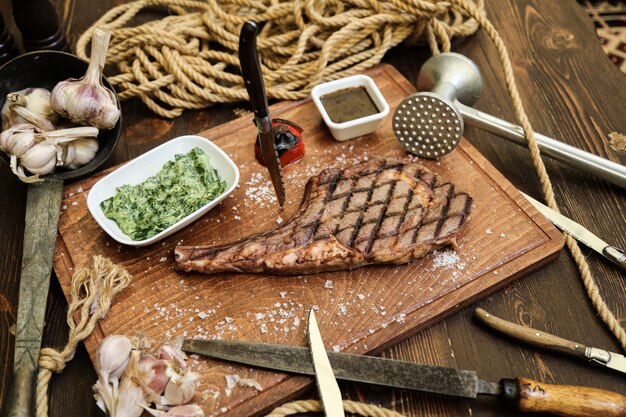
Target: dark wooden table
column 571, row 91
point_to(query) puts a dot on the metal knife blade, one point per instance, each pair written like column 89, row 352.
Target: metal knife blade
column 578, row 232
column 551, row 342
column 253, row 80
column 349, row 367
column 327, row 386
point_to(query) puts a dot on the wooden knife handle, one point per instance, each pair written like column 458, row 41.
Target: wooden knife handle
column 563, row 400
column 531, row 336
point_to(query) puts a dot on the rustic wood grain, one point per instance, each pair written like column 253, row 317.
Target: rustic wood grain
column 504, row 239
column 551, row 298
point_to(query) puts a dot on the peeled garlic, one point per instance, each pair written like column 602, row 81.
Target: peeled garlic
column 86, row 101
column 31, row 105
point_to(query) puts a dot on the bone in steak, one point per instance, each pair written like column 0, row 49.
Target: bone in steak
column 374, row 212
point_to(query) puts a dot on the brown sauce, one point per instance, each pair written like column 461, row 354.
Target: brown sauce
column 348, row 104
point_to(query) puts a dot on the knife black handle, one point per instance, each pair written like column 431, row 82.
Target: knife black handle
column 564, row 400
column 251, row 69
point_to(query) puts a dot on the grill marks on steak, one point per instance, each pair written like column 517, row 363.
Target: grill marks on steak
column 377, row 211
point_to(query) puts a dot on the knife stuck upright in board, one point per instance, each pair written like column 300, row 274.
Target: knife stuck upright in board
column 255, row 86
column 521, row 393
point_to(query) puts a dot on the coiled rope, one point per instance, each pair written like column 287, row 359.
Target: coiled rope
column 189, row 60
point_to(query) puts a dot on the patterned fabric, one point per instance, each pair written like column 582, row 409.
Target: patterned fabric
column 610, row 20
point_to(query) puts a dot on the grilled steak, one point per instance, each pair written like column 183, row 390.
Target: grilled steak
column 377, row 211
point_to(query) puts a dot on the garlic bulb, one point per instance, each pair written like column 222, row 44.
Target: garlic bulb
column 39, row 152
column 30, row 105
column 86, row 101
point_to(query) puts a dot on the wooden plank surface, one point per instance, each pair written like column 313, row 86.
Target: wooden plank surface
column 360, row 311
column 571, row 91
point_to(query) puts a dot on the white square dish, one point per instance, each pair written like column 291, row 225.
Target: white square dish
column 149, row 164
column 357, row 127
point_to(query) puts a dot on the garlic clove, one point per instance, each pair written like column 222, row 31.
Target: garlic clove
column 113, row 356
column 86, row 100
column 173, row 354
column 84, row 151
column 40, row 159
column 130, row 400
column 188, row 410
column 180, row 389
column 18, row 139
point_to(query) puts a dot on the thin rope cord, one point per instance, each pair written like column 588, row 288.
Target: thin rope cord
column 91, row 294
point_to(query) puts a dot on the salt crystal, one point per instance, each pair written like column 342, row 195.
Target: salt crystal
column 336, row 348
column 163, row 259
column 489, row 231
column 279, row 220
column 361, row 296
column 203, row 315
column 282, row 294
column 328, row 284
column 502, row 235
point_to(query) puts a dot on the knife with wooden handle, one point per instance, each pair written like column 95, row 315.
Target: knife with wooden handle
column 553, row 343
column 521, row 393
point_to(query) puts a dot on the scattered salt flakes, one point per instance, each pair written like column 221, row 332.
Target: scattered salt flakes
column 328, row 284
column 336, row 348
column 263, row 328
column 489, row 231
column 400, row 318
column 237, row 217
column 163, row 259
column 259, row 316
column 447, row 260
column 74, row 203
column 203, row 315
column 279, row 220
column 64, row 207
column 80, row 190
column 361, row 296
column 502, row 235
column 283, row 294
column 228, row 319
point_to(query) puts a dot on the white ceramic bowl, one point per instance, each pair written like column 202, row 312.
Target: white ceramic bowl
column 357, row 127
column 147, row 165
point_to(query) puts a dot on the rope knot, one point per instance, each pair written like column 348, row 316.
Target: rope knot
column 52, row 360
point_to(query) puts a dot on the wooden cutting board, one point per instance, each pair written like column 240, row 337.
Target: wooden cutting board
column 359, row 311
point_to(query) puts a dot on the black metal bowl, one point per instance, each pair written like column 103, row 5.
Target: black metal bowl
column 45, row 69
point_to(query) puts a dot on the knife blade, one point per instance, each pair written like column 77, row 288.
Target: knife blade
column 553, row 343
column 327, row 386
column 578, row 232
column 523, row 393
column 253, row 80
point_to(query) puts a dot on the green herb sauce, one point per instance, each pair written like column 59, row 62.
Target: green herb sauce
column 180, row 188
